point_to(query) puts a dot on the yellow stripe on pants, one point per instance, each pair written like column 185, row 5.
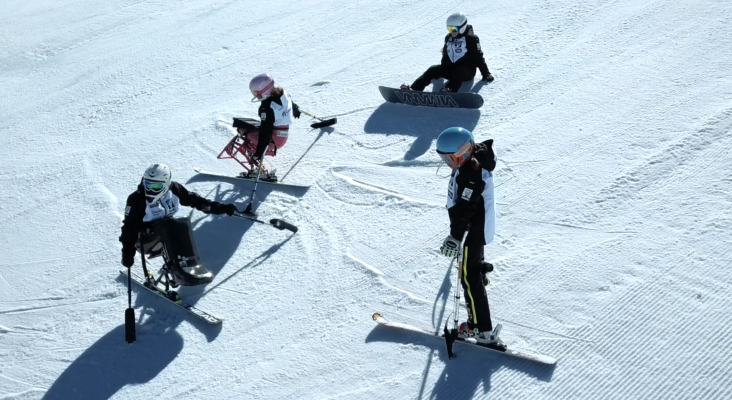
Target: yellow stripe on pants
column 467, row 285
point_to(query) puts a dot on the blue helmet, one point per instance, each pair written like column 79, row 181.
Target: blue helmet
column 455, row 146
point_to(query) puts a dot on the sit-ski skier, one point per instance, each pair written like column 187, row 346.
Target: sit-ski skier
column 461, row 55
column 471, row 208
column 149, row 215
column 276, row 112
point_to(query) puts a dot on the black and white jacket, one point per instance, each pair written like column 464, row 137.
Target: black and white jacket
column 464, row 50
column 470, row 197
column 138, row 213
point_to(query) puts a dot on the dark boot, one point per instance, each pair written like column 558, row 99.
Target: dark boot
column 486, row 268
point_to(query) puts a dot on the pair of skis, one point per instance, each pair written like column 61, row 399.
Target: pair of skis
column 451, row 335
column 538, row 358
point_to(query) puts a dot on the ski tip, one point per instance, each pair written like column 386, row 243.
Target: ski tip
column 377, row 317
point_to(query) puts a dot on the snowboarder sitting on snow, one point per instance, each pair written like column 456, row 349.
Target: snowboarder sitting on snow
column 276, row 112
column 471, row 208
column 148, row 218
column 461, row 55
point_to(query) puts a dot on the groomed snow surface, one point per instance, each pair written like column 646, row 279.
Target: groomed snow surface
column 611, row 120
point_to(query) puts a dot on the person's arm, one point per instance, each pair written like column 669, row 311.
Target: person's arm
column 266, row 128
column 131, row 226
column 476, row 54
column 445, row 61
column 193, row 199
column 469, row 186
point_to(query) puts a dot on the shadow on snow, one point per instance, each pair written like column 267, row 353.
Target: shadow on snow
column 110, row 364
column 424, row 123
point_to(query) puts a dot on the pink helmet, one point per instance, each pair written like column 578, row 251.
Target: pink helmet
column 261, row 86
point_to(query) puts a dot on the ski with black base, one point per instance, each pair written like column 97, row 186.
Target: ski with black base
column 538, row 358
column 197, row 312
column 201, row 171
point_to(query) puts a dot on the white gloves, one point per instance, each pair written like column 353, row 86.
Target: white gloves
column 450, row 247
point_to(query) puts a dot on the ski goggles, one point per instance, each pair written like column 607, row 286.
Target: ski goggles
column 152, row 186
column 456, row 159
column 453, row 29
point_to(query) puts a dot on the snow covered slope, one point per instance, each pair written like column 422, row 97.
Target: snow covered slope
column 612, row 124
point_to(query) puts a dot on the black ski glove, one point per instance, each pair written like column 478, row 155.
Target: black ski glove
column 488, row 78
column 218, row 209
column 128, row 260
column 230, row 209
column 296, row 111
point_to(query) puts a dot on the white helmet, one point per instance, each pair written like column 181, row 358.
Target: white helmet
column 156, row 182
column 261, row 86
column 457, row 22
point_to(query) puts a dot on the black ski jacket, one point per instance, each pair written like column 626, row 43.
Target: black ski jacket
column 266, row 127
column 469, row 206
column 138, row 213
column 474, row 54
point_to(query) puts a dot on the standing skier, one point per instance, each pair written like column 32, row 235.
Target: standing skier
column 149, row 218
column 461, row 55
column 276, row 112
column 471, row 208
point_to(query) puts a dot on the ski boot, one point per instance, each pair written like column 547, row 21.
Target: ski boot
column 188, row 272
column 487, row 339
column 269, row 176
column 486, row 267
column 491, row 339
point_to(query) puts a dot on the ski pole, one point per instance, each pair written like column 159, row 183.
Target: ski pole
column 248, row 210
column 323, row 122
column 130, row 335
column 277, row 223
column 451, row 334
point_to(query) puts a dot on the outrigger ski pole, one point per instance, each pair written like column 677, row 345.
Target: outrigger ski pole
column 248, row 210
column 451, row 334
column 323, row 122
column 277, row 223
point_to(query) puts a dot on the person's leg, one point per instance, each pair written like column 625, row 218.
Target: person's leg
column 180, row 251
column 456, row 76
column 476, row 297
column 433, row 72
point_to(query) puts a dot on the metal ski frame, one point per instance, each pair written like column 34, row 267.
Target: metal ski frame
column 164, row 276
column 240, row 148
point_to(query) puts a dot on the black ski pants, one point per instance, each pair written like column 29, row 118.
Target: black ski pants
column 476, row 296
column 455, row 76
column 176, row 236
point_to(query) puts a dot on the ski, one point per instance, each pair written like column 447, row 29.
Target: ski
column 201, row 171
column 538, row 358
column 197, row 312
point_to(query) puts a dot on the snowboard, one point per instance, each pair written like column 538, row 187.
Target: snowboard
column 441, row 100
column 538, row 358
